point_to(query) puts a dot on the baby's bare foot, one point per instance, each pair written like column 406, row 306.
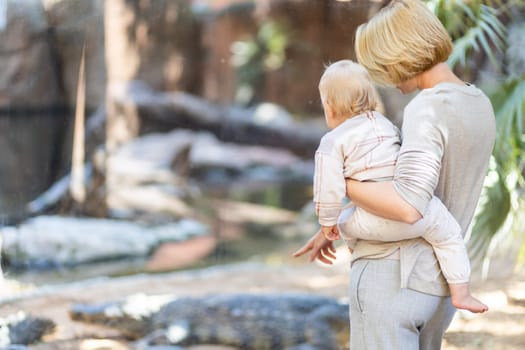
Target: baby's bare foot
column 469, row 303
column 462, row 299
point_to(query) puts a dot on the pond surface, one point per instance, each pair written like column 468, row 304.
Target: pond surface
column 267, row 249
column 239, row 242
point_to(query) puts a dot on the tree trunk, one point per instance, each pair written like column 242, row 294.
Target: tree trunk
column 153, row 41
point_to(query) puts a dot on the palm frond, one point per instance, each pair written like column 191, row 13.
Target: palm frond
column 510, row 238
column 486, row 32
column 509, row 104
column 475, row 27
column 500, row 210
column 492, row 211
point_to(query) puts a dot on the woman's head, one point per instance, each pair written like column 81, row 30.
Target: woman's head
column 346, row 90
column 403, row 40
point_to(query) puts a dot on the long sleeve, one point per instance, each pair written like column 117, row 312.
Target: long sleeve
column 329, row 183
column 419, row 162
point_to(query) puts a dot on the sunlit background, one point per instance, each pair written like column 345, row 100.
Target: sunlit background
column 166, row 147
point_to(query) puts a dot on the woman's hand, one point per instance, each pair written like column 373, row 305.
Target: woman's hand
column 319, row 247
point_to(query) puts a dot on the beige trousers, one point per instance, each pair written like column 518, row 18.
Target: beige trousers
column 384, row 316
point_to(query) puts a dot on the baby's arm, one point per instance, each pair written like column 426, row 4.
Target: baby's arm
column 330, row 232
column 329, row 185
column 329, row 190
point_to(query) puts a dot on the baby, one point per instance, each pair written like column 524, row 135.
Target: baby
column 364, row 145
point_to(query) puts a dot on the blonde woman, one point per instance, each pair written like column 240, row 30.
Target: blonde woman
column 398, row 295
column 363, row 145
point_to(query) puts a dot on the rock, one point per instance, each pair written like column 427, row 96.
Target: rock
column 53, row 240
column 18, row 329
column 151, row 174
column 27, row 74
column 516, row 293
column 207, row 152
column 152, row 201
column 272, row 115
column 174, row 255
column 147, row 159
column 139, row 177
column 250, row 213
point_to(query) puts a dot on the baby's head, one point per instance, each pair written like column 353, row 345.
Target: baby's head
column 346, row 90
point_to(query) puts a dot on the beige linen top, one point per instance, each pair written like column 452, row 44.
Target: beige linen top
column 363, row 147
column 448, row 135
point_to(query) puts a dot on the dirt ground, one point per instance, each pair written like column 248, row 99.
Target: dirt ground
column 502, row 328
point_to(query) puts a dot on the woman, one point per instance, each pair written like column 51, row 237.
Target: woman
column 398, row 296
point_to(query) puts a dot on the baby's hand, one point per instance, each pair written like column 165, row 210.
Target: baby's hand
column 330, row 232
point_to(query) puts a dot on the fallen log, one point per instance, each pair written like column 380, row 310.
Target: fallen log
column 265, row 124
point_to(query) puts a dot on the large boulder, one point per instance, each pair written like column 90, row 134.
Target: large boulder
column 150, row 174
column 32, row 121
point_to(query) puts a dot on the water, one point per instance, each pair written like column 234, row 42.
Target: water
column 236, row 242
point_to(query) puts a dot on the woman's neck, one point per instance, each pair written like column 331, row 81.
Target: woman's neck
column 440, row 73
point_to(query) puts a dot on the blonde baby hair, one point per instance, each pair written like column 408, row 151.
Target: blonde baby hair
column 348, row 89
column 401, row 41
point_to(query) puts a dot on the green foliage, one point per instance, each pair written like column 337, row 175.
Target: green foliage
column 508, row 100
column 485, row 32
column 475, row 26
column 490, row 217
column 254, row 57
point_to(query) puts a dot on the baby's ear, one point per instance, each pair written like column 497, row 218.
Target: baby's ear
column 328, row 108
column 324, row 102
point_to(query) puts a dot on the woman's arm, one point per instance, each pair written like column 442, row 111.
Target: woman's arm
column 417, row 170
column 381, row 199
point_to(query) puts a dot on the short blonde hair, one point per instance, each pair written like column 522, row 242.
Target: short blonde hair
column 402, row 40
column 348, row 89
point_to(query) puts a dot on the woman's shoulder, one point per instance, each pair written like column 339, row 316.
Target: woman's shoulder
column 443, row 98
column 426, row 97
column 427, row 104
column 446, row 92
